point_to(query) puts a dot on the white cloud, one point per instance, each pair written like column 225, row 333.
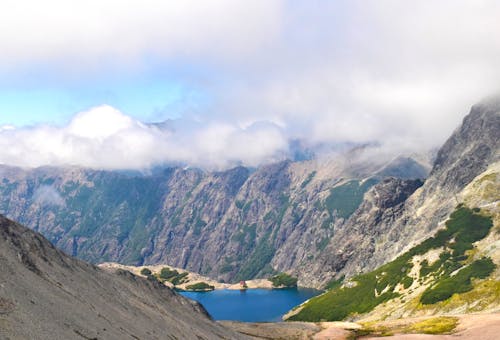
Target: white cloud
column 398, row 72
column 105, row 138
column 48, row 195
column 81, row 35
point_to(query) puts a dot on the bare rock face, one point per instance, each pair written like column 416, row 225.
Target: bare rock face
column 470, row 149
column 355, row 247
column 45, row 294
column 395, row 215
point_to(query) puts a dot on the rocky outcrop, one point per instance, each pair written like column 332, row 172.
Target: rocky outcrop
column 45, row 294
column 391, row 221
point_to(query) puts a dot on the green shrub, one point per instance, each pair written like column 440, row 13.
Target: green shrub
column 200, row 286
column 283, row 280
column 173, row 276
column 167, row 274
column 458, row 283
column 146, row 272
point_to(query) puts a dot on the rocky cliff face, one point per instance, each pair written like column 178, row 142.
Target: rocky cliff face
column 45, row 294
column 396, row 215
column 231, row 225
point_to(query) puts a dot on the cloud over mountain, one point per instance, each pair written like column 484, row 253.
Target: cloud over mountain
column 105, row 138
column 402, row 74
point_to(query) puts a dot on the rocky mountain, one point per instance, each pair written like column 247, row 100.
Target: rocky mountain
column 309, row 218
column 45, row 294
column 396, row 216
column 456, row 271
column 230, row 225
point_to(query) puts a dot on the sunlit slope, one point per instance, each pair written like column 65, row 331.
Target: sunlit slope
column 455, row 271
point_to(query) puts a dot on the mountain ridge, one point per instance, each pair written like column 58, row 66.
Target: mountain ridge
column 231, row 225
column 46, row 294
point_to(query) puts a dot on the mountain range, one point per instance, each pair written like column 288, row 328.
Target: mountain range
column 319, row 219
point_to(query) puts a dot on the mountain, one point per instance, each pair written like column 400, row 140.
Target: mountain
column 456, row 271
column 45, row 294
column 411, row 251
column 396, row 216
column 310, row 218
column 231, row 225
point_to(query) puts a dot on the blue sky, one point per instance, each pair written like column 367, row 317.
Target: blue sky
column 263, row 72
column 149, row 100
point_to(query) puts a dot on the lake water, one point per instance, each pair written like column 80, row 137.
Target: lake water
column 252, row 305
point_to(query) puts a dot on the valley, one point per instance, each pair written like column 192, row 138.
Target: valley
column 395, row 255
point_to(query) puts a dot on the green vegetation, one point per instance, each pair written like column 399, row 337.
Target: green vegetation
column 257, row 260
column 226, row 268
column 283, row 280
column 125, row 204
column 239, row 204
column 335, row 283
column 146, row 272
column 173, row 276
column 308, row 180
column 200, row 286
column 438, row 325
column 459, row 283
column 366, row 291
column 322, row 243
column 346, row 198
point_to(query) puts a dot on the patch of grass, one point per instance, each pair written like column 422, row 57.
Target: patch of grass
column 334, row 283
column 459, row 283
column 438, row 325
column 346, row 198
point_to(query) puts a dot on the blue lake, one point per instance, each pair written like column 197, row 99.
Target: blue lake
column 252, row 305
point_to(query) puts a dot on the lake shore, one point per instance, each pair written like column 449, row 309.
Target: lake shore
column 193, row 278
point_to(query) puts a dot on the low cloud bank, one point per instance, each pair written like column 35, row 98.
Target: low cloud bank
column 105, row 138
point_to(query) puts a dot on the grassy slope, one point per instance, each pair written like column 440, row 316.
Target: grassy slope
column 451, row 273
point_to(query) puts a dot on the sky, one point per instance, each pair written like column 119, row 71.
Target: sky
column 236, row 81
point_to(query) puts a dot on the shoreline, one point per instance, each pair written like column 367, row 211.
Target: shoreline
column 194, row 278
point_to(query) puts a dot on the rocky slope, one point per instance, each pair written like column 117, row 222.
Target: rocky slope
column 45, row 294
column 394, row 216
column 456, row 271
column 231, row 225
